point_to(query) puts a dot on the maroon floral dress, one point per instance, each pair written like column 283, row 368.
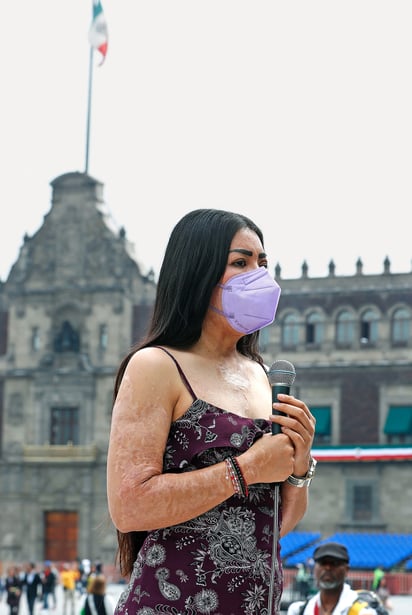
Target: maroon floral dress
column 219, row 563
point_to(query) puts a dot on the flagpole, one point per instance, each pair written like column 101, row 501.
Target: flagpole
column 89, row 106
column 98, row 40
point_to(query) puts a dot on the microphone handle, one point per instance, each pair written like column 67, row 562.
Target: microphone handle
column 278, row 388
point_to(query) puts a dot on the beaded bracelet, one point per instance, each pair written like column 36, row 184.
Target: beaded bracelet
column 241, row 478
column 235, row 474
column 231, row 473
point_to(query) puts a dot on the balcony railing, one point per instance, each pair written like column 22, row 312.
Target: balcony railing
column 57, row 453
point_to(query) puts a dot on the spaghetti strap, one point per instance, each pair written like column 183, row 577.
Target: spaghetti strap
column 181, row 372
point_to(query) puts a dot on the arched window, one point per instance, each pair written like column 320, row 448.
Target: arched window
column 314, row 328
column 369, row 327
column 67, row 339
column 290, row 331
column 345, row 328
column 401, row 326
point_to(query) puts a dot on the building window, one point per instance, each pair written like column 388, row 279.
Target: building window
column 401, row 327
column 369, row 328
column 323, row 430
column 67, row 339
column 64, row 425
column 398, row 425
column 345, row 329
column 290, row 331
column 264, row 339
column 314, row 329
column 103, row 337
column 35, row 339
column 4, row 323
column 362, row 504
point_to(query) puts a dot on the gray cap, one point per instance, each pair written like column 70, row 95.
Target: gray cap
column 331, row 549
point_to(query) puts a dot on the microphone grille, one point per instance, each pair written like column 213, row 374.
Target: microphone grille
column 282, row 372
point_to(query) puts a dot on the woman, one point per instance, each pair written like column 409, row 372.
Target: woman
column 14, row 588
column 192, row 464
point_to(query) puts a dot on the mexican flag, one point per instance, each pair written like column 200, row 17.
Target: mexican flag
column 98, row 37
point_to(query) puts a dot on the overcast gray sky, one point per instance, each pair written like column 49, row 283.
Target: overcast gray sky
column 296, row 113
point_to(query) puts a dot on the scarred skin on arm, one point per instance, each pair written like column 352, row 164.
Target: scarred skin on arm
column 141, row 497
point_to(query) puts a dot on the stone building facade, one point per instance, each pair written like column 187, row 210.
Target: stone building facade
column 350, row 341
column 71, row 307
column 73, row 304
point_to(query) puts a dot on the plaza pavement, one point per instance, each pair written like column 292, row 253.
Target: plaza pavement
column 402, row 604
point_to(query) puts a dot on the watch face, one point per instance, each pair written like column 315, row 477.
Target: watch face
column 312, row 468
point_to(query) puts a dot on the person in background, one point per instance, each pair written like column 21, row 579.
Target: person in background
column 68, row 580
column 193, row 467
column 2, row 588
column 32, row 586
column 96, row 569
column 378, row 575
column 384, row 594
column 13, row 587
column 79, row 582
column 335, row 596
column 49, row 582
column 85, row 572
column 302, row 581
column 97, row 601
column 56, row 583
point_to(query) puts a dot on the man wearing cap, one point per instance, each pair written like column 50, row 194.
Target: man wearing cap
column 335, row 596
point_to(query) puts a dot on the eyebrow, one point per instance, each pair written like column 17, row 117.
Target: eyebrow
column 247, row 252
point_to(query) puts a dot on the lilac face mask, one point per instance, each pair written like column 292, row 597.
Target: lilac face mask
column 249, row 300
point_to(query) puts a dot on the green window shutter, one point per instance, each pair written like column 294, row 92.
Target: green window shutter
column 399, row 420
column 322, row 415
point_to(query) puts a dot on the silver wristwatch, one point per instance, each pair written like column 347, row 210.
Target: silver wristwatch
column 303, row 481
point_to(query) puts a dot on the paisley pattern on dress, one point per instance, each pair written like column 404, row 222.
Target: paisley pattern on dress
column 219, row 563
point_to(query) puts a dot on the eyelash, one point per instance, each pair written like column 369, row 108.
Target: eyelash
column 243, row 263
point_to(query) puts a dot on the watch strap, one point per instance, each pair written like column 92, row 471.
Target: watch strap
column 303, row 481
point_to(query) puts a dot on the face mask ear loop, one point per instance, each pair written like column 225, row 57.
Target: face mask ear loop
column 215, row 309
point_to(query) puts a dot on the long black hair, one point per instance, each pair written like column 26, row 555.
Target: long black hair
column 194, row 262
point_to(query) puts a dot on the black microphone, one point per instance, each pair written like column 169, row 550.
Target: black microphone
column 281, row 377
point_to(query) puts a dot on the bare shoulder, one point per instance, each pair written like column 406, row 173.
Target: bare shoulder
column 151, row 386
column 151, row 360
column 151, row 370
